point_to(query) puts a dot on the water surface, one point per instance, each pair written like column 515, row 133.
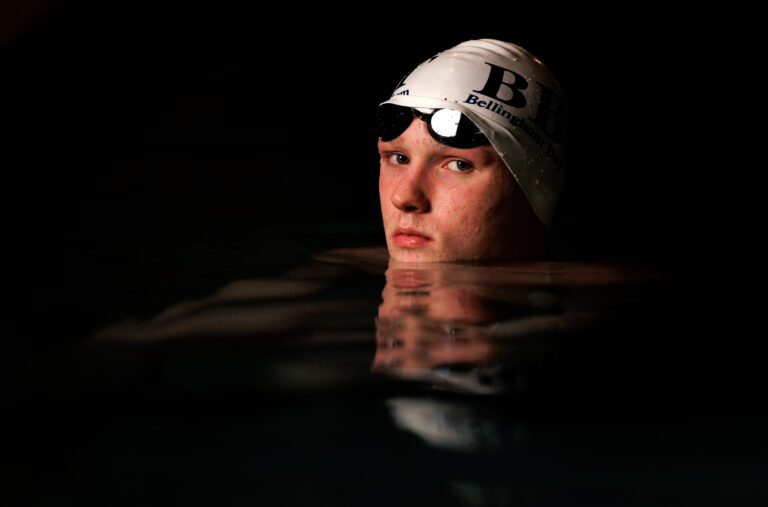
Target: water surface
column 352, row 380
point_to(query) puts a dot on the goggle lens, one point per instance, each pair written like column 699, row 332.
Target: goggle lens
column 447, row 126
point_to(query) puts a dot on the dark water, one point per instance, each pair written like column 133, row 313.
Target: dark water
column 346, row 380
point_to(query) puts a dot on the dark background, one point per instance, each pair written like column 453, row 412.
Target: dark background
column 152, row 152
column 157, row 150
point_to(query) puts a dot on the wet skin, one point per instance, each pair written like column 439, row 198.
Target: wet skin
column 446, row 204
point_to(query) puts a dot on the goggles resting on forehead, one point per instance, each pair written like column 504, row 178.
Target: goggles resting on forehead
column 446, row 126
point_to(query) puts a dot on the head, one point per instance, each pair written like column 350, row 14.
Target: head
column 471, row 156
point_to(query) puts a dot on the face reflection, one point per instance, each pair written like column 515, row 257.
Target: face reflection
column 424, row 323
column 441, row 204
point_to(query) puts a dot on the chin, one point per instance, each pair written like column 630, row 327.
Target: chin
column 428, row 255
column 414, row 254
column 411, row 256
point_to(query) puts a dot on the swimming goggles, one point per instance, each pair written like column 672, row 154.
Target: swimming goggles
column 446, row 126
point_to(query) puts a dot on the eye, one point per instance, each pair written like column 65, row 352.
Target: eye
column 461, row 166
column 397, row 159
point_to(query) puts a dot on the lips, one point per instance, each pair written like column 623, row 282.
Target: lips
column 407, row 237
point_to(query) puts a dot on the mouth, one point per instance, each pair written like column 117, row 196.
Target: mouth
column 410, row 238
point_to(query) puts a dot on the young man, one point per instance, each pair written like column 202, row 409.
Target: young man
column 472, row 156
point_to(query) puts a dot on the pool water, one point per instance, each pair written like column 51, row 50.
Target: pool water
column 349, row 379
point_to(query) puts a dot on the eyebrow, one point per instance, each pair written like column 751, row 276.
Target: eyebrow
column 393, row 142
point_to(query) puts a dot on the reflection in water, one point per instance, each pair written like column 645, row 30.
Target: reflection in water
column 300, row 303
column 467, row 327
column 440, row 328
column 447, row 424
column 427, row 392
column 485, row 330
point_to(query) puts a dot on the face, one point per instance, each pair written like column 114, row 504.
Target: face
column 447, row 204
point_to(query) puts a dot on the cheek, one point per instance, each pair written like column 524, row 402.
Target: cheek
column 473, row 218
column 385, row 191
column 387, row 182
column 466, row 212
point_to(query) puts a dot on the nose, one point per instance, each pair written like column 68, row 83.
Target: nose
column 410, row 195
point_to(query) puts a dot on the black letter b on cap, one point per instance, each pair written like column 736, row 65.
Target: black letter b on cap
column 496, row 81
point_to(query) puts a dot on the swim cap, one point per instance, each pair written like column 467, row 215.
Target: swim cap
column 512, row 98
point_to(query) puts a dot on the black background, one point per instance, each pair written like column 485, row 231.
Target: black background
column 153, row 152
column 156, row 148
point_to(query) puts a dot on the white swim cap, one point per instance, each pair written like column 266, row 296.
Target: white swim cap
column 512, row 98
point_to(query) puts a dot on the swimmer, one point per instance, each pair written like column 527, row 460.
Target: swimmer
column 472, row 156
